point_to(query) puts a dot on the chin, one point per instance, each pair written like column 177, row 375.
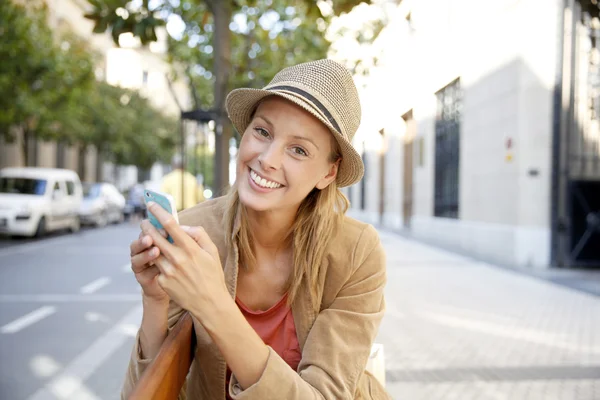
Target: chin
column 252, row 200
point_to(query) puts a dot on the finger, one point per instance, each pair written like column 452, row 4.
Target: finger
column 165, row 267
column 141, row 244
column 200, row 236
column 141, row 261
column 169, row 223
column 161, row 231
column 159, row 241
column 163, row 281
column 149, row 273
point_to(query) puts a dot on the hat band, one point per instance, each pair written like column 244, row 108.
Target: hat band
column 313, row 100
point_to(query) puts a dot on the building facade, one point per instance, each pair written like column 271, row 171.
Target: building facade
column 481, row 129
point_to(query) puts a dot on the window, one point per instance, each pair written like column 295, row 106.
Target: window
column 57, row 192
column 70, row 188
column 447, row 145
column 23, row 186
column 91, row 190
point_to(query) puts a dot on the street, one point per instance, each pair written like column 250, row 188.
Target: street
column 455, row 328
column 69, row 309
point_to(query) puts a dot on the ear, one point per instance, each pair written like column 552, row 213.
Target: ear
column 330, row 177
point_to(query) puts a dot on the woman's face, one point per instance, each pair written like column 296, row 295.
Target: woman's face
column 284, row 154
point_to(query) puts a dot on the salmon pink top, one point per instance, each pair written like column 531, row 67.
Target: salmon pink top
column 276, row 328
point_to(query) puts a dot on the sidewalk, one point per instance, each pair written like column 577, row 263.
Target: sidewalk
column 457, row 328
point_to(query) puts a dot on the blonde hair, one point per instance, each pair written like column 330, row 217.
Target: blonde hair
column 319, row 216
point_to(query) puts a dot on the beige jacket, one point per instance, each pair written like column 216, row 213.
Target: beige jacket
column 335, row 342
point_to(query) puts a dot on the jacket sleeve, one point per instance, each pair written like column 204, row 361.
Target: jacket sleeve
column 338, row 345
column 137, row 364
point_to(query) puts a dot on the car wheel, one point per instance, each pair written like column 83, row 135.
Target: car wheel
column 103, row 220
column 41, row 228
column 76, row 226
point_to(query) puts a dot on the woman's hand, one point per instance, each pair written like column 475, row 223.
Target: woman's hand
column 190, row 269
column 143, row 255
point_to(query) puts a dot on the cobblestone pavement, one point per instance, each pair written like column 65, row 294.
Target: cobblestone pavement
column 456, row 328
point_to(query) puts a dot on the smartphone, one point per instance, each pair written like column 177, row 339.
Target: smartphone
column 165, row 201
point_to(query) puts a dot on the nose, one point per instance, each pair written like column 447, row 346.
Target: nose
column 270, row 158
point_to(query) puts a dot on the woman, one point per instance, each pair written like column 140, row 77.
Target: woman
column 286, row 293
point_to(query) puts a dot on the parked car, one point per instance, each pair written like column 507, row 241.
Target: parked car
column 102, row 204
column 34, row 201
column 135, row 205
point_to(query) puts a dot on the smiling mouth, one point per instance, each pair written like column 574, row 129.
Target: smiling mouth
column 262, row 182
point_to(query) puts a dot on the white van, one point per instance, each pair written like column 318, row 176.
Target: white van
column 34, row 201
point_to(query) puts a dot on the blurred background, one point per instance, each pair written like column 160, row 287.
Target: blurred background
column 480, row 135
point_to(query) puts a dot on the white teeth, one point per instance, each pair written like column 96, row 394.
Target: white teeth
column 263, row 182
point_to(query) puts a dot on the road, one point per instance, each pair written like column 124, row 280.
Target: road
column 69, row 309
column 455, row 327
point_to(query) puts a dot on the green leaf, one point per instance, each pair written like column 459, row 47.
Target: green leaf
column 101, row 26
column 93, row 16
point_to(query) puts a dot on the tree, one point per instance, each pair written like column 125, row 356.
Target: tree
column 276, row 33
column 49, row 92
column 125, row 127
column 353, row 43
column 38, row 74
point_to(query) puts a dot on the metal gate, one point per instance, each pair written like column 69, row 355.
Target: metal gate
column 576, row 166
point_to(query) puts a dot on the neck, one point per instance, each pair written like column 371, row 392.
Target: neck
column 270, row 229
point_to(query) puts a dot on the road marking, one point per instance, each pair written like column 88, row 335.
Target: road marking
column 69, row 384
column 67, row 298
column 67, row 388
column 44, row 366
column 96, row 317
column 28, row 319
column 95, row 285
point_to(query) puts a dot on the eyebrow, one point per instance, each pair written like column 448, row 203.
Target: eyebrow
column 265, row 119
column 298, row 137
column 307, row 139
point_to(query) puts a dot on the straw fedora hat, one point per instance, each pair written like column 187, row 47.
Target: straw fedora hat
column 325, row 89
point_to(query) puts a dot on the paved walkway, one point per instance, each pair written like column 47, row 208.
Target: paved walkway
column 457, row 328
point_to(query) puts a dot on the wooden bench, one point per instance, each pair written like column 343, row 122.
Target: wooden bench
column 165, row 376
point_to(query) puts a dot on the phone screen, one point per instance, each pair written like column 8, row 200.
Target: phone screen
column 163, row 200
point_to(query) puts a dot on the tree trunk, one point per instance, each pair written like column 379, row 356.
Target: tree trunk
column 222, row 69
column 30, row 148
column 81, row 159
column 25, row 146
column 99, row 162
